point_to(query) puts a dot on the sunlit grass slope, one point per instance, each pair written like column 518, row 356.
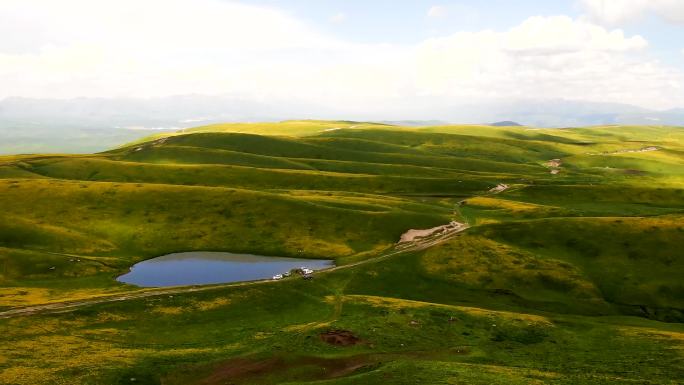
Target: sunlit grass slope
column 572, row 275
column 257, row 178
column 269, row 334
column 132, row 221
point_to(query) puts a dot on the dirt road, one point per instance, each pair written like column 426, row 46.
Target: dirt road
column 60, row 307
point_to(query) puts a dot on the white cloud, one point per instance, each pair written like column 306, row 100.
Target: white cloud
column 560, row 34
column 554, row 57
column 621, row 11
column 338, row 18
column 437, row 12
column 128, row 48
column 149, row 48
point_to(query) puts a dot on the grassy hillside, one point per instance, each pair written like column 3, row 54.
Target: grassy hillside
column 570, row 275
column 128, row 222
column 257, row 178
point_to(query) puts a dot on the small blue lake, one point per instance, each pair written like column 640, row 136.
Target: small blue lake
column 204, row 268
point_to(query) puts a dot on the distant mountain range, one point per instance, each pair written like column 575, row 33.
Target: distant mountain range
column 565, row 113
column 95, row 124
column 506, row 123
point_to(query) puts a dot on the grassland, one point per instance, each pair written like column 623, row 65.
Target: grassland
column 566, row 278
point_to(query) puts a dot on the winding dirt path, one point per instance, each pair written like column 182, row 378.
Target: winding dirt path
column 426, row 239
column 66, row 306
column 628, row 151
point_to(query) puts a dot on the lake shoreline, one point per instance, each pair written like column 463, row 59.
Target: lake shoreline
column 209, row 268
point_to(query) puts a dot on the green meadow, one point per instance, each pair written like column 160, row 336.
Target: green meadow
column 572, row 274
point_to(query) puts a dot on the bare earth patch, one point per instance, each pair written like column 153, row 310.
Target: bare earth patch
column 339, row 338
column 501, row 187
column 414, row 234
column 264, row 371
column 554, row 165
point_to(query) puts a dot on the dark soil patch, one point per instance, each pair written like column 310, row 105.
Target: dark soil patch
column 240, row 371
column 339, row 338
column 634, row 172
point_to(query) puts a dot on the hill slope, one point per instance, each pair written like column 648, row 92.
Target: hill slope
column 569, row 273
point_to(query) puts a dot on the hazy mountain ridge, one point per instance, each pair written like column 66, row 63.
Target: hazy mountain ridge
column 95, row 124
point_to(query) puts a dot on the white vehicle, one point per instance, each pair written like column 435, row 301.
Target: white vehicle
column 277, row 277
column 307, row 271
column 287, row 274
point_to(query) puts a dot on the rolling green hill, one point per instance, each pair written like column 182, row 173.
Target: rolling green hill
column 571, row 274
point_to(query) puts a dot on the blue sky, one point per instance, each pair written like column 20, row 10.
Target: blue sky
column 407, row 21
column 361, row 54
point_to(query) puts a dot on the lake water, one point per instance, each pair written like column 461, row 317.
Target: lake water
column 204, row 267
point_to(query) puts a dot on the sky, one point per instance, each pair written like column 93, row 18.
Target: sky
column 380, row 55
